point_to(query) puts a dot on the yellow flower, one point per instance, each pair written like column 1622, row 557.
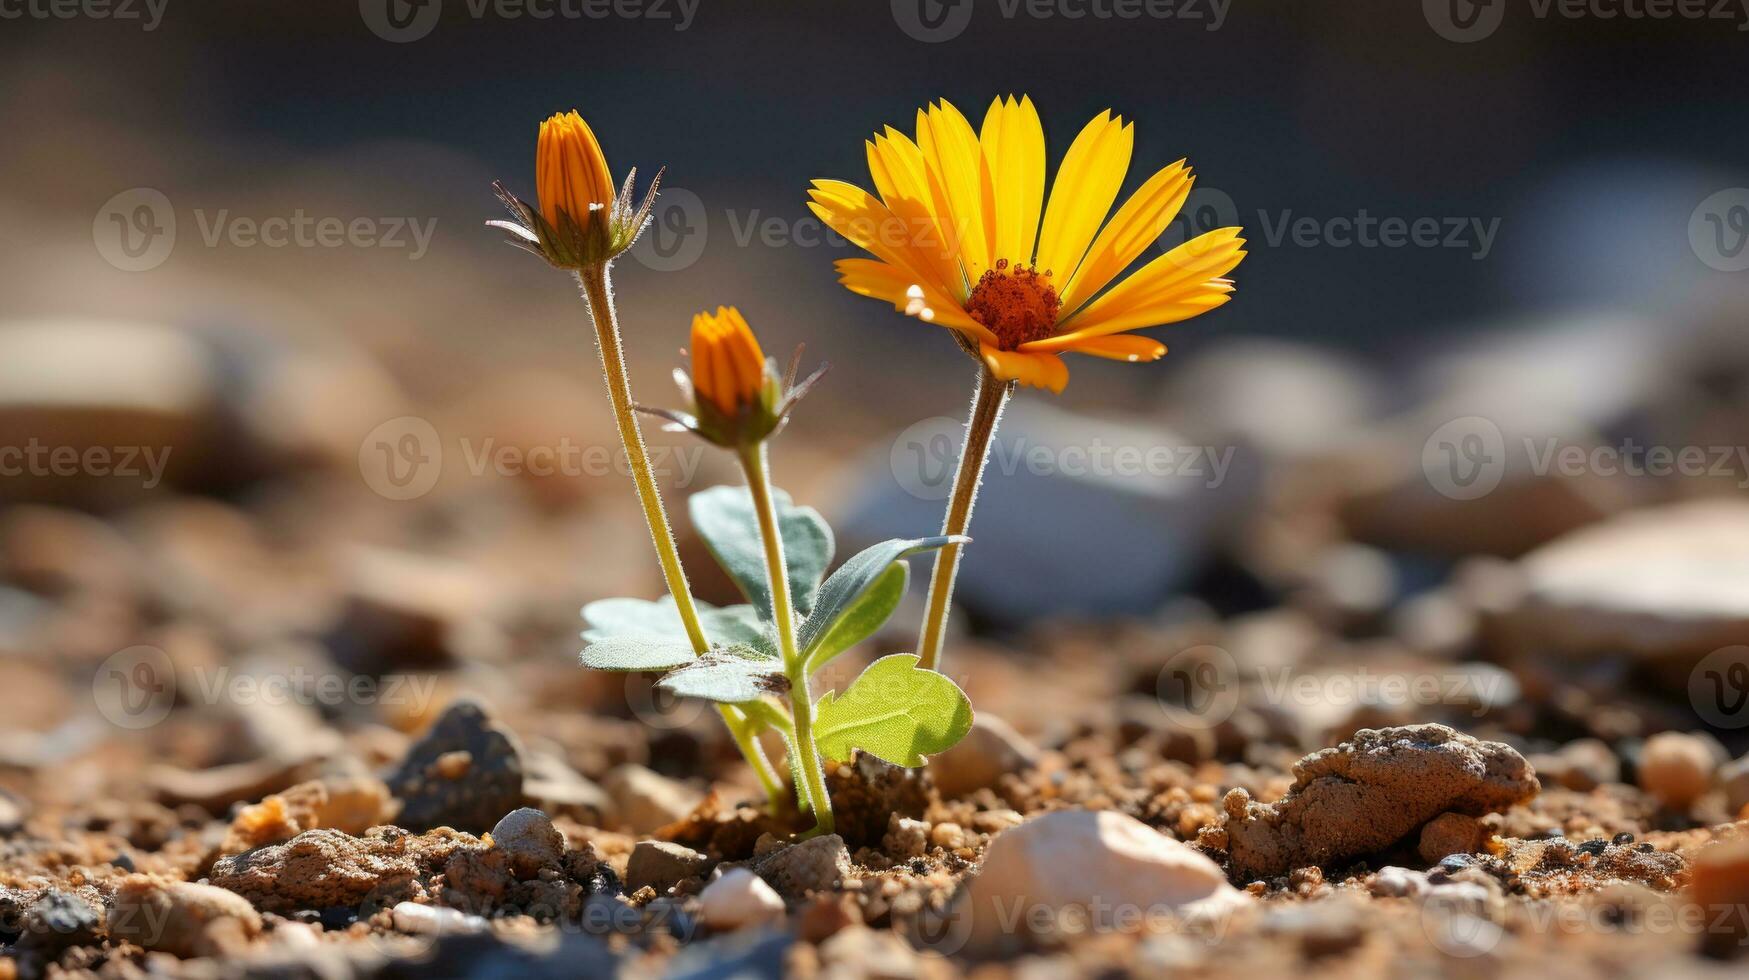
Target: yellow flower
column 570, row 172
column 957, row 240
column 728, row 368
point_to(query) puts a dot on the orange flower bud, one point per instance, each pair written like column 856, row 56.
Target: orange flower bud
column 570, row 171
column 728, row 368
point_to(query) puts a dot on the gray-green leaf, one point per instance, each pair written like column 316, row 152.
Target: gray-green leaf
column 737, row 624
column 857, row 576
column 861, row 617
column 632, row 651
column 725, row 519
column 895, row 711
column 729, row 676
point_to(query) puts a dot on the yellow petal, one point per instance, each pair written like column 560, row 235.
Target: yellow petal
column 867, row 223
column 902, row 179
column 1135, row 226
column 1183, row 283
column 1037, row 370
column 1121, row 347
column 950, row 150
column 1013, row 143
column 1086, row 184
column 877, row 280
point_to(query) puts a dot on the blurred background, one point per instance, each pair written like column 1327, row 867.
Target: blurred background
column 277, row 396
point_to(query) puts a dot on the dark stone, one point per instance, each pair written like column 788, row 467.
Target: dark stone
column 465, row 773
column 58, row 920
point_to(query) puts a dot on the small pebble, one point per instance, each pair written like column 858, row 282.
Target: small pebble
column 1677, row 768
column 738, row 898
column 428, row 920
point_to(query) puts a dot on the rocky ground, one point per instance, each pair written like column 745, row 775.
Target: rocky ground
column 264, row 720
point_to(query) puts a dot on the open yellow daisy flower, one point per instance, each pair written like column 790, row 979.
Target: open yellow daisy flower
column 957, row 240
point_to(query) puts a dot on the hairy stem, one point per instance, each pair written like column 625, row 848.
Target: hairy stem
column 988, row 398
column 598, row 292
column 812, row 780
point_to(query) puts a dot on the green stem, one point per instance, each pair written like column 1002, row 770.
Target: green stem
column 812, row 774
column 988, row 399
column 598, row 292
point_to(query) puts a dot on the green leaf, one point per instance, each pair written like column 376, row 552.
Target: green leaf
column 895, row 711
column 857, row 576
column 631, row 651
column 731, row 676
column 725, row 519
column 730, row 625
column 861, row 617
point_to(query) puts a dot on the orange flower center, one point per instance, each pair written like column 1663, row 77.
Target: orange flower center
column 1018, row 304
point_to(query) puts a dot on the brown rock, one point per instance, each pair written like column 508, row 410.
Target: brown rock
column 1370, row 792
column 1450, row 833
column 815, row 865
column 659, row 864
column 352, row 805
column 321, row 869
column 181, row 918
column 466, row 773
column 530, row 841
column 1720, row 887
column 1677, row 768
column 647, row 800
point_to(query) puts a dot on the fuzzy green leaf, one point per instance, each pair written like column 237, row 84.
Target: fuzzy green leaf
column 859, row 620
column 857, row 576
column 895, row 711
column 725, row 519
column 730, row 676
column 730, row 625
column 631, row 651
